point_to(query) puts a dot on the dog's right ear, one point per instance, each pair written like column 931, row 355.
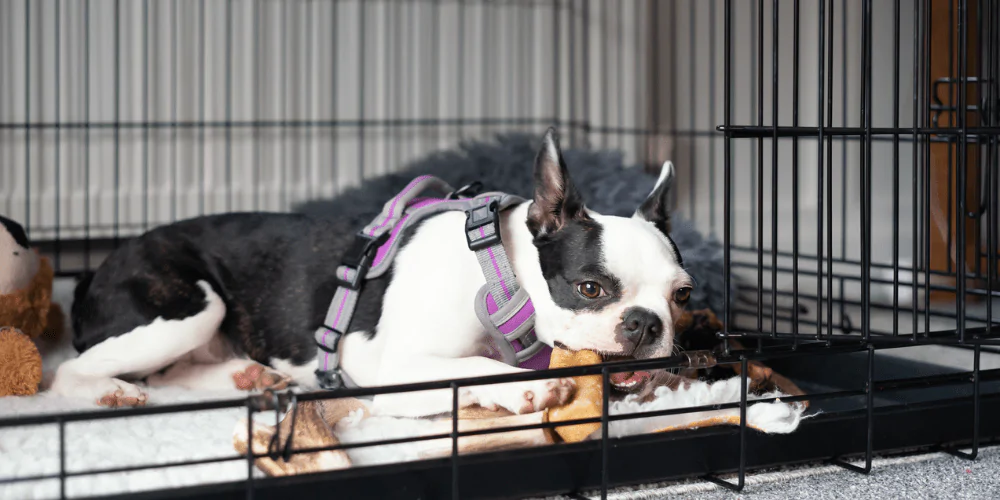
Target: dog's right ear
column 556, row 200
column 656, row 208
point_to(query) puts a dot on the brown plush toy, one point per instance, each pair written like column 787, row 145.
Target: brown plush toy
column 26, row 310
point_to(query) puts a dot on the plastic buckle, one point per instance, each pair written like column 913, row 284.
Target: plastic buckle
column 480, row 217
column 359, row 258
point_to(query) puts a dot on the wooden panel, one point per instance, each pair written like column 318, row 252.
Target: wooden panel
column 945, row 43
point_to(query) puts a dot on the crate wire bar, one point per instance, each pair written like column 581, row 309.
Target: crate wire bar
column 254, row 405
column 209, row 106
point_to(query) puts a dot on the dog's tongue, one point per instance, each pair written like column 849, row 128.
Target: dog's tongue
column 628, row 379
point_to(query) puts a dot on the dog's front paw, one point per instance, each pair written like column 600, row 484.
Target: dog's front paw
column 260, row 378
column 122, row 395
column 537, row 395
column 556, row 392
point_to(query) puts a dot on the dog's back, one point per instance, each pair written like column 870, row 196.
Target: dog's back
column 273, row 272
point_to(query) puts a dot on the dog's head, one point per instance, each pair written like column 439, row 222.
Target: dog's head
column 614, row 285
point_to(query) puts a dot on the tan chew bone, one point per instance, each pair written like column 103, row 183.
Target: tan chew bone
column 313, row 429
column 586, row 402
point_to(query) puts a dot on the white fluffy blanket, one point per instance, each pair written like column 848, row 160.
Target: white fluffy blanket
column 774, row 417
column 32, row 451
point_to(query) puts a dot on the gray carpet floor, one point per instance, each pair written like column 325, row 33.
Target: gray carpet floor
column 931, row 476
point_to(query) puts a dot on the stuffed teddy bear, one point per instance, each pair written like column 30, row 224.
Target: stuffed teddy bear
column 26, row 310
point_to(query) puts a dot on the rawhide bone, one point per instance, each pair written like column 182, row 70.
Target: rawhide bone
column 588, row 399
column 313, row 423
column 496, row 441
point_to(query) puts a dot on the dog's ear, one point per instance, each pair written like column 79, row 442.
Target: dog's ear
column 556, row 200
column 656, row 208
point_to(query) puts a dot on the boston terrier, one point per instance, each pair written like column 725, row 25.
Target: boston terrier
column 233, row 300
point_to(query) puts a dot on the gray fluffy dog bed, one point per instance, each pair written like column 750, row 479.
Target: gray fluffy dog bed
column 608, row 187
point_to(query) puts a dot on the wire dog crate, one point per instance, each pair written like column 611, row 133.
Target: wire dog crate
column 851, row 174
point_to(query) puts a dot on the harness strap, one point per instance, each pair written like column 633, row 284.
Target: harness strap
column 394, row 209
column 502, row 307
column 357, row 263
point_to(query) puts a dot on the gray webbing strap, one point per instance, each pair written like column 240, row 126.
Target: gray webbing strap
column 352, row 273
column 516, row 326
column 499, row 318
column 338, row 317
column 482, row 230
column 394, row 209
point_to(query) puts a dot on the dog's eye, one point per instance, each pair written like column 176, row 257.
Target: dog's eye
column 590, row 289
column 682, row 295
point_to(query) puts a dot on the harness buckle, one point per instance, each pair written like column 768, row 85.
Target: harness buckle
column 478, row 218
column 359, row 258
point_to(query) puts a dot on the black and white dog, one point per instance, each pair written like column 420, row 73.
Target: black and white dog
column 235, row 299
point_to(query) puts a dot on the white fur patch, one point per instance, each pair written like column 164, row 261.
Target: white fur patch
column 303, row 375
column 640, row 256
column 361, row 358
column 140, row 352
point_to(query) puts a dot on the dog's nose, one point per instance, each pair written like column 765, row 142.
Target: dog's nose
column 641, row 325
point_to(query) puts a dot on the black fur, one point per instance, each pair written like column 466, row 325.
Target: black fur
column 16, row 231
column 567, row 239
column 557, row 202
column 275, row 273
column 573, row 255
column 656, row 208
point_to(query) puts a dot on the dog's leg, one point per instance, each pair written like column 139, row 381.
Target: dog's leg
column 517, row 397
column 95, row 373
column 361, row 358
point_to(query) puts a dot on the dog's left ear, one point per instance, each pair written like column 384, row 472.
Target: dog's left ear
column 656, row 207
column 556, row 200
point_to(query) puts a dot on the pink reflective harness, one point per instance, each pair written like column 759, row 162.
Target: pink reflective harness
column 502, row 306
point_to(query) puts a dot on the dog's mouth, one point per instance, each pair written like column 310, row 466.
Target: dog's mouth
column 630, row 381
column 627, row 382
